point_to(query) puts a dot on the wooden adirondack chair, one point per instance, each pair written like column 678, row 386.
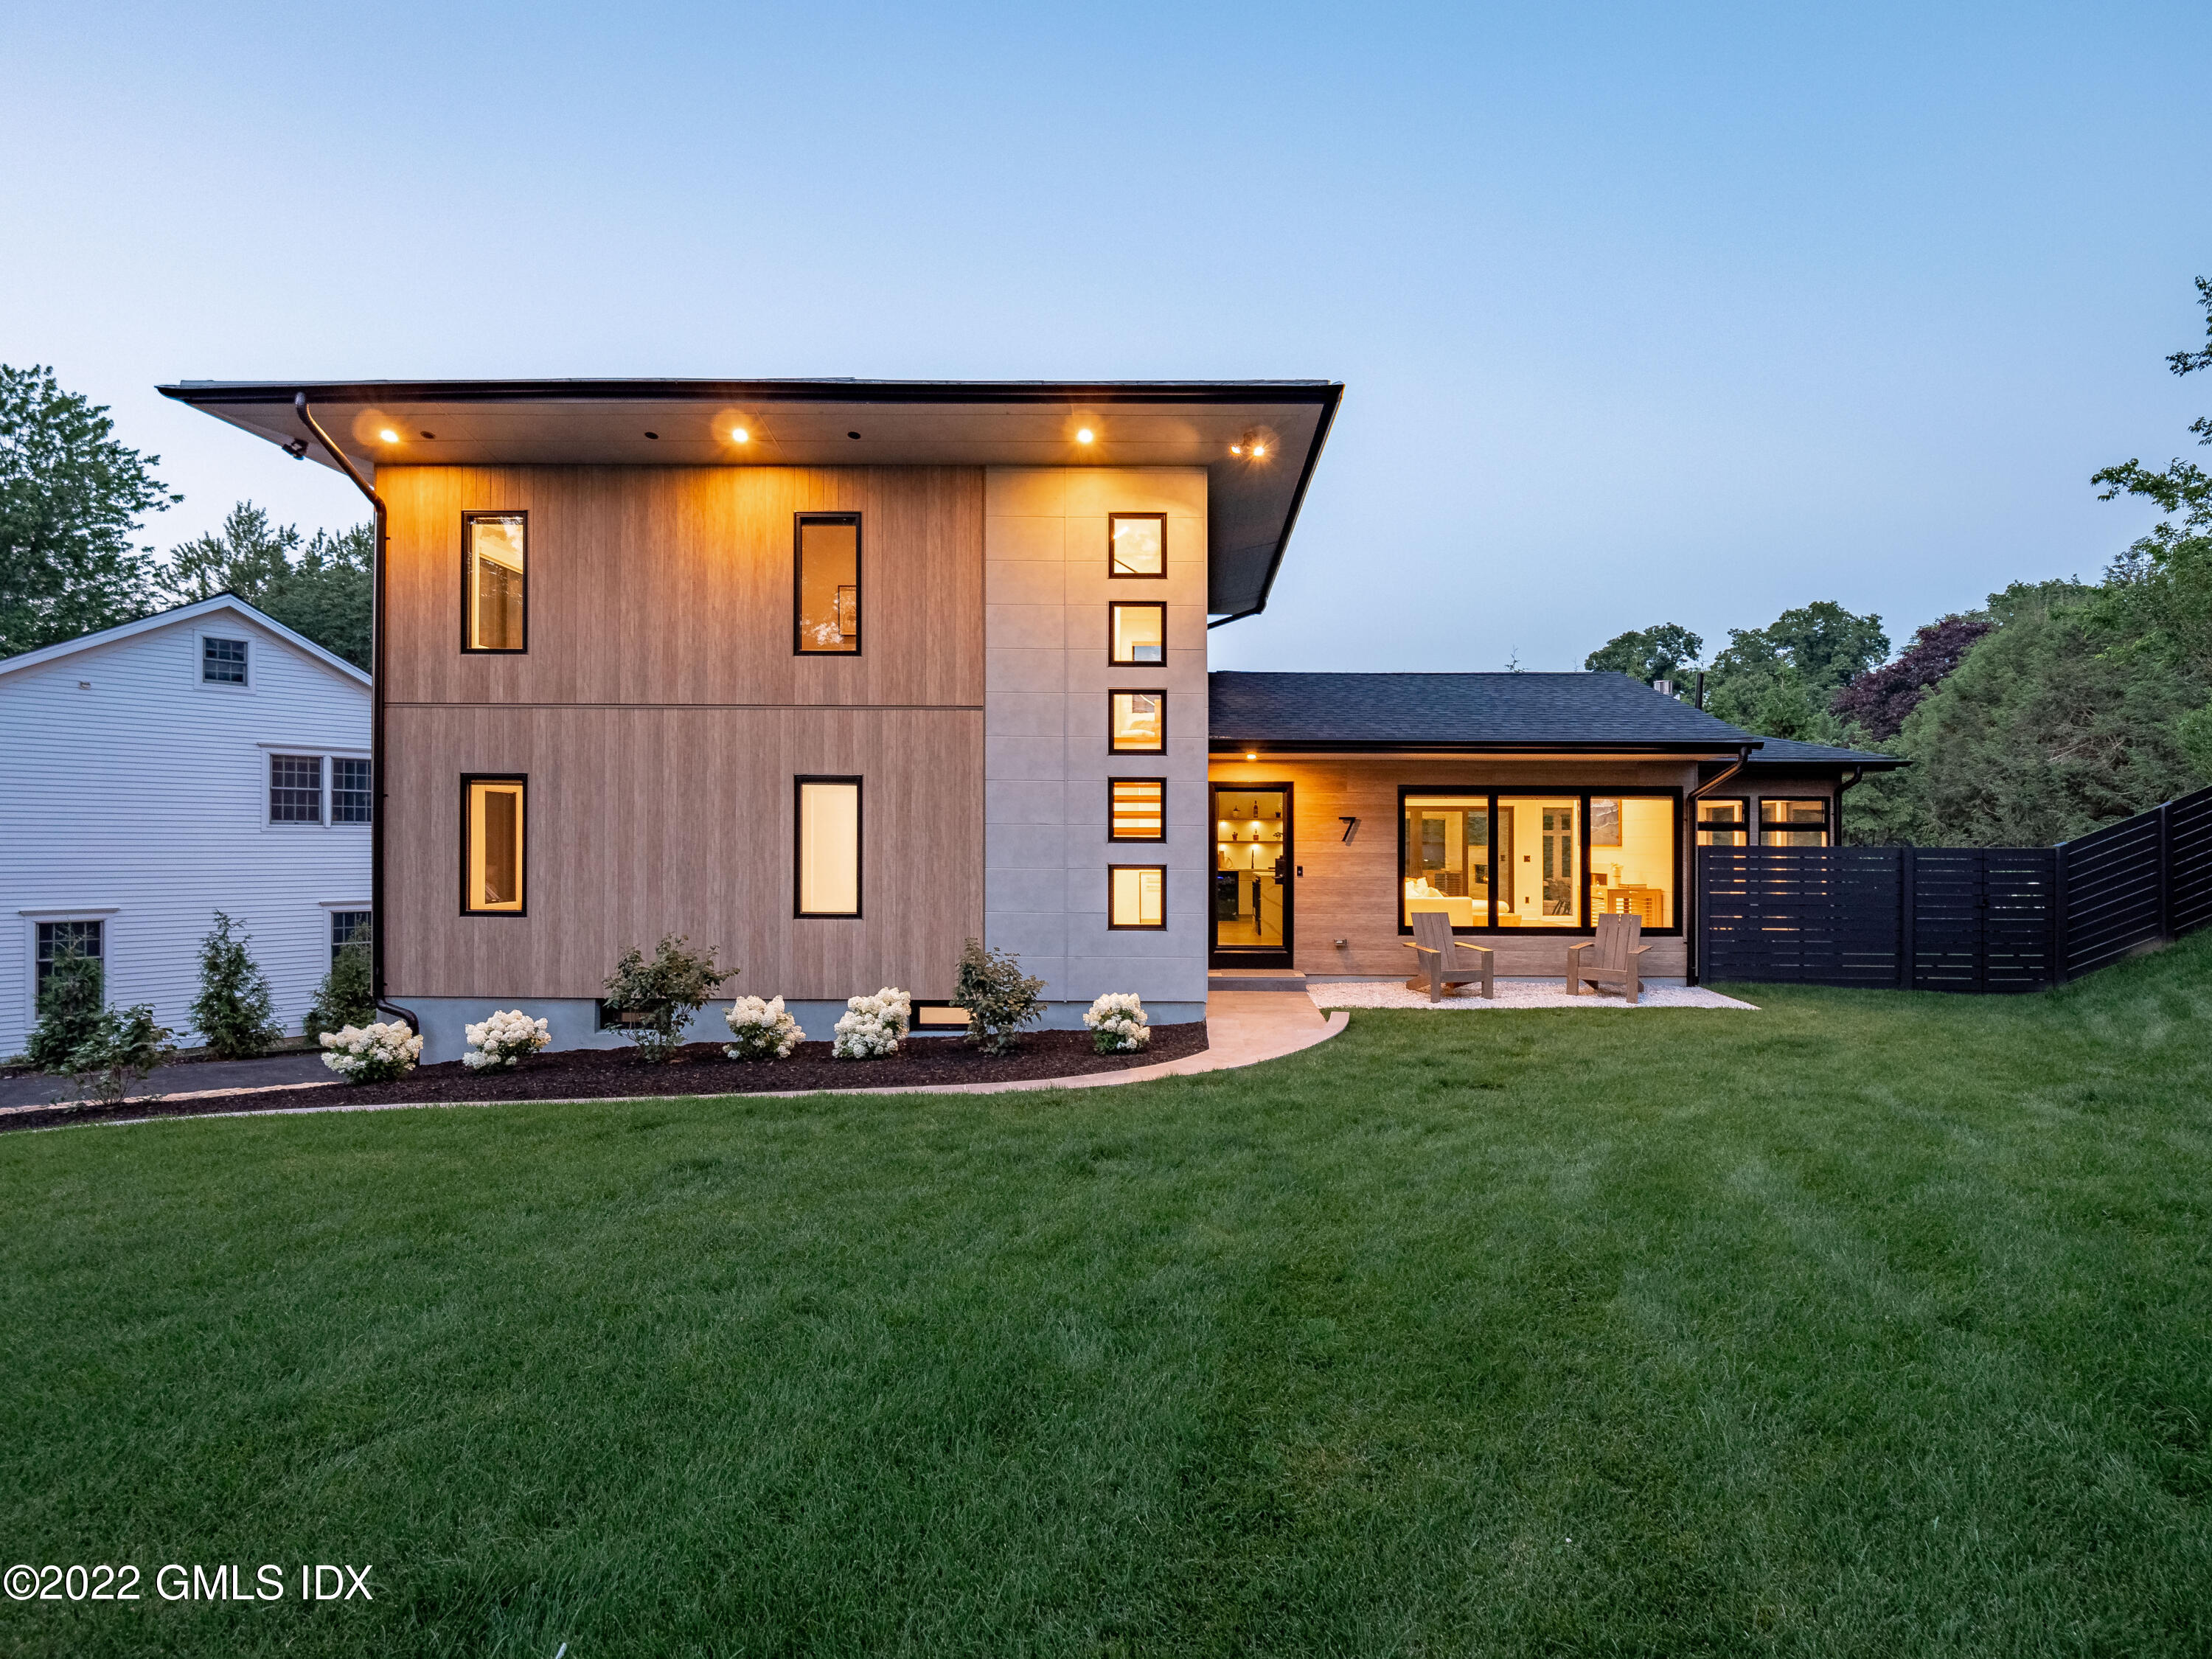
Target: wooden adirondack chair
column 1438, row 967
column 1610, row 959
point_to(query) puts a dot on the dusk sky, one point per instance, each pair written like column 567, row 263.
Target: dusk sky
column 1681, row 313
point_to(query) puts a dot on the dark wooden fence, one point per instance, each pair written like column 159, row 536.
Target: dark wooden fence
column 1955, row 918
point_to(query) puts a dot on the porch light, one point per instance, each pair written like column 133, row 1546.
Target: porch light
column 1237, row 449
column 1251, row 754
column 389, row 435
column 1084, row 435
column 1258, row 452
column 739, row 435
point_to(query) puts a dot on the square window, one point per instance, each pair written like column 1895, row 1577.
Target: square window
column 494, row 552
column 1136, row 895
column 1137, row 634
column 826, row 585
column 492, row 846
column 1137, row 545
column 1137, row 722
column 348, row 928
column 1722, row 823
column 350, row 800
column 59, row 939
column 1137, row 809
column 222, row 662
column 1793, row 822
column 829, row 861
column 295, row 789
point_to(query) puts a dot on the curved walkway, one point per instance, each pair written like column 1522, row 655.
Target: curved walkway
column 1243, row 1028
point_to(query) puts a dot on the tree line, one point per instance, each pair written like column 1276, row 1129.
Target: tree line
column 73, row 499
column 2053, row 708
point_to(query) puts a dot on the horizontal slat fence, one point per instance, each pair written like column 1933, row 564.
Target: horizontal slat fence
column 1971, row 919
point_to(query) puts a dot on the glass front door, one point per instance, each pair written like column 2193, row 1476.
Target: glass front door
column 1252, row 875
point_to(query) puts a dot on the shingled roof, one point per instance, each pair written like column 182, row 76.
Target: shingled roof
column 1585, row 711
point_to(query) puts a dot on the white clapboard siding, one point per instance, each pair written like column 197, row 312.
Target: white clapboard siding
column 128, row 787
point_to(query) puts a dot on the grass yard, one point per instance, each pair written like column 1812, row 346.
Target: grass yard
column 1870, row 1324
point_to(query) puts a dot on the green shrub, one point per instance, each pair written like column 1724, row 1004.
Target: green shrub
column 69, row 1010
column 345, row 996
column 999, row 998
column 234, row 1011
column 122, row 1048
column 657, row 999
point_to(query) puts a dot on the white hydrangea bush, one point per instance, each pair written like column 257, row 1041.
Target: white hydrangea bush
column 371, row 1053
column 763, row 1030
column 1118, row 1024
column 870, row 1027
column 505, row 1039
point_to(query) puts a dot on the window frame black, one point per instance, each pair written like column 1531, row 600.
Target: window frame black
column 1139, row 840
column 469, row 516
column 1747, row 827
column 1581, row 794
column 1159, row 575
column 798, row 523
column 1159, row 692
column 469, row 779
column 858, row 912
column 1827, row 825
column 1113, row 926
column 1113, row 605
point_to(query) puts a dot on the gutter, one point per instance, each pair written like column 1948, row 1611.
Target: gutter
column 376, row 707
column 1742, row 760
column 1328, row 406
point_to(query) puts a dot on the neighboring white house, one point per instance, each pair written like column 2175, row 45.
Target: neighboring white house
column 206, row 758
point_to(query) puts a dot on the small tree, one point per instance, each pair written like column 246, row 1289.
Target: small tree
column 345, row 997
column 999, row 998
column 124, row 1047
column 657, row 999
column 234, row 1011
column 69, row 1010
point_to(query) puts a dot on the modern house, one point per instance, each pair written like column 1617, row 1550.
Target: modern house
column 834, row 674
column 207, row 758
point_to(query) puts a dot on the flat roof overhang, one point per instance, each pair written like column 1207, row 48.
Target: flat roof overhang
column 1253, row 504
column 1411, row 750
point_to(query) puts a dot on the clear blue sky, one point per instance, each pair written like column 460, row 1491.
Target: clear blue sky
column 1647, row 313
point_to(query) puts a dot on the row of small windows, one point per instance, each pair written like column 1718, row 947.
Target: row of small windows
column 1136, row 721
column 827, row 840
column 296, row 790
column 826, row 586
column 1782, row 823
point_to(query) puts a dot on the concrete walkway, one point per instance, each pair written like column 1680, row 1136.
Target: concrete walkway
column 183, row 1078
column 1243, row 1028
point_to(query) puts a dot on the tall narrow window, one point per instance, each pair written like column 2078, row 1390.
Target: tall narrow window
column 1137, row 809
column 295, row 789
column 1539, row 848
column 350, row 796
column 1137, row 544
column 495, row 548
column 1793, row 822
column 827, row 584
column 1632, row 858
column 493, row 846
column 60, row 939
column 1136, row 895
column 1137, row 722
column 828, row 846
column 222, row 662
column 1137, row 633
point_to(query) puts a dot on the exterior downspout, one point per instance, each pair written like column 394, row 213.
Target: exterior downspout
column 1857, row 772
column 1742, row 760
column 375, row 709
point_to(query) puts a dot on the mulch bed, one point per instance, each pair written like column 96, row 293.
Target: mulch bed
column 698, row 1069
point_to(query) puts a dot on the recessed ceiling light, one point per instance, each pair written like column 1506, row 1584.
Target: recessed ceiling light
column 389, row 435
column 1084, row 435
column 1237, row 449
column 430, row 435
column 1251, row 754
column 1259, row 450
column 852, row 434
column 652, row 434
column 739, row 435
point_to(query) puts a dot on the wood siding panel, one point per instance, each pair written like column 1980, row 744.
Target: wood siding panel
column 643, row 822
column 673, row 585
column 1350, row 891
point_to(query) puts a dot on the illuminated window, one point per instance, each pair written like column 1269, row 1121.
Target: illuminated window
column 827, row 584
column 828, row 846
column 295, row 789
column 1539, row 862
column 1137, row 543
column 1632, row 858
column 1137, row 809
column 1447, row 858
column 1136, row 895
column 1793, row 822
column 222, row 662
column 492, row 846
column 495, row 550
column 1137, row 633
column 1137, row 722
column 1722, row 823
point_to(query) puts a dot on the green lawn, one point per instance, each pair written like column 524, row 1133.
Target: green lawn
column 1869, row 1324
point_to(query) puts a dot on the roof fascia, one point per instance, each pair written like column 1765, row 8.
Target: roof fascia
column 1324, row 393
column 1523, row 750
column 183, row 613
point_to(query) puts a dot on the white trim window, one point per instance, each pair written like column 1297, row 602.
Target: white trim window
column 295, row 789
column 225, row 659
